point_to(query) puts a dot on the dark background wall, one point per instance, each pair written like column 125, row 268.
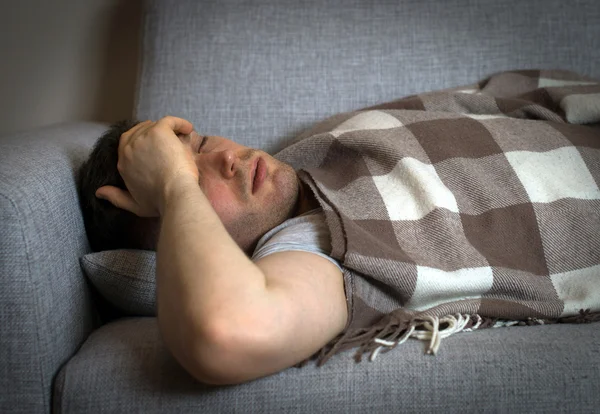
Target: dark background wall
column 67, row 60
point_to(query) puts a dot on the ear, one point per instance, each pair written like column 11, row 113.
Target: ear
column 117, row 197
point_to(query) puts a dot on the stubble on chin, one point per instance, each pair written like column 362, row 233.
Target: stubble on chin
column 273, row 210
column 288, row 185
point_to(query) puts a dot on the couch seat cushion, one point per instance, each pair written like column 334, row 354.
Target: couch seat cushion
column 125, row 367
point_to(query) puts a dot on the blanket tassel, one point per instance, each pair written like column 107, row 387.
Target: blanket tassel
column 394, row 329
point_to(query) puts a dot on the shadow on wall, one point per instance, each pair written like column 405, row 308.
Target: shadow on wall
column 118, row 78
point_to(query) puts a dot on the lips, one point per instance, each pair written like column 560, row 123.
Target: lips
column 259, row 174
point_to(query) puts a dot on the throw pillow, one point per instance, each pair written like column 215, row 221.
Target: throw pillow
column 125, row 278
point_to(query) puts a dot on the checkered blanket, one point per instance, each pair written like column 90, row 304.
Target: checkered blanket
column 463, row 208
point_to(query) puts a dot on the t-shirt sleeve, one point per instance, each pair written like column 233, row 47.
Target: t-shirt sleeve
column 307, row 233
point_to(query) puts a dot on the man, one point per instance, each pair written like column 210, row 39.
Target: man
column 444, row 211
column 228, row 319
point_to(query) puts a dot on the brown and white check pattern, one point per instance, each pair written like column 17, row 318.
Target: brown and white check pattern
column 482, row 202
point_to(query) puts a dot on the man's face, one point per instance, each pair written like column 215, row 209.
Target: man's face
column 251, row 191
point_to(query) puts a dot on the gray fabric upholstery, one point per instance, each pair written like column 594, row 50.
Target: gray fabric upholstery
column 225, row 64
column 45, row 307
column 125, row 278
column 258, row 72
column 124, row 367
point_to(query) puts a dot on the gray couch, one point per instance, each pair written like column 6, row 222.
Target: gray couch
column 259, row 72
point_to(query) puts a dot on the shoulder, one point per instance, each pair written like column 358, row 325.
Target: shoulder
column 306, row 233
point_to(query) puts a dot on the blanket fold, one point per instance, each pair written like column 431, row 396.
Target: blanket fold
column 461, row 209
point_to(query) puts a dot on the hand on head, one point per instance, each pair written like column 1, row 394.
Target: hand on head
column 151, row 156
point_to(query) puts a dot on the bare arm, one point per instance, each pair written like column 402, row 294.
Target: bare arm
column 224, row 318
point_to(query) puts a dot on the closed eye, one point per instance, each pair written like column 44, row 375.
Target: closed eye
column 202, row 143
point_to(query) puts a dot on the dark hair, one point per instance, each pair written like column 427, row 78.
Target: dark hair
column 107, row 226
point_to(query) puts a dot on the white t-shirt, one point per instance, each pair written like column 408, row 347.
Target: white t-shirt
column 307, row 232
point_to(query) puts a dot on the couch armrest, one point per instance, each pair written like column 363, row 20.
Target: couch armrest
column 46, row 309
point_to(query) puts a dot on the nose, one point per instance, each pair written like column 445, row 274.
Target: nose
column 227, row 163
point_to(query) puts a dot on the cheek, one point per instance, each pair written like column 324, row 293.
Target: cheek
column 222, row 200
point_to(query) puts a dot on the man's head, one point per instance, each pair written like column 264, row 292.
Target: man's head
column 107, row 226
column 250, row 190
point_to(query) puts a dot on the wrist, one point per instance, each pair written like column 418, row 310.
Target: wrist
column 179, row 186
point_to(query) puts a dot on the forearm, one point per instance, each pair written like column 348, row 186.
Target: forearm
column 204, row 279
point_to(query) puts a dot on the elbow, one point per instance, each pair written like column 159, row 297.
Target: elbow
column 221, row 355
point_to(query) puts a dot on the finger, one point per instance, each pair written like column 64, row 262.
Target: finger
column 133, row 131
column 177, row 125
column 136, row 127
column 119, row 198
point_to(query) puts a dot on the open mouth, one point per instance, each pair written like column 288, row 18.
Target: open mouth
column 259, row 172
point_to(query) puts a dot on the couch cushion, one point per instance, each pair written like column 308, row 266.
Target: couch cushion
column 258, row 72
column 124, row 367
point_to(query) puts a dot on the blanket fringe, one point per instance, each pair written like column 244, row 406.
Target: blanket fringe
column 429, row 328
column 394, row 329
